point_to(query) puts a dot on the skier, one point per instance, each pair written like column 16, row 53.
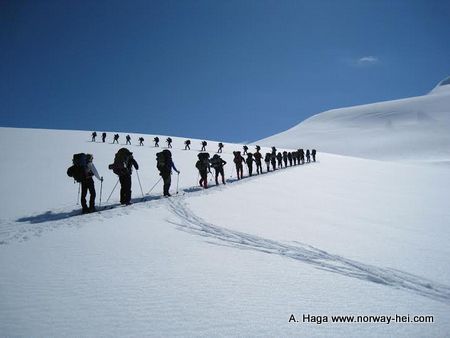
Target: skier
column 116, row 138
column 258, row 161
column 169, row 142
column 238, row 159
column 280, row 160
column 141, row 141
column 94, row 135
column 245, row 150
column 122, row 167
column 204, row 143
column 203, row 168
column 128, row 137
column 249, row 162
column 267, row 160
column 308, row 156
column 103, row 137
column 217, row 163
column 165, row 164
column 187, row 144
column 220, row 148
column 285, row 158
column 302, row 156
column 313, row 154
column 273, row 160
column 289, row 155
column 156, row 140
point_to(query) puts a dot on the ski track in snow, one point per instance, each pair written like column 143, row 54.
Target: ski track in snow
column 323, row 260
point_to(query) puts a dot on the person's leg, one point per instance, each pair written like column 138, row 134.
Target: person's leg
column 84, row 190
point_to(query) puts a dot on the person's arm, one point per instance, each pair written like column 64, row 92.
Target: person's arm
column 92, row 168
column 174, row 168
column 135, row 164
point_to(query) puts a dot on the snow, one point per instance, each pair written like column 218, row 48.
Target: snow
column 412, row 129
column 342, row 236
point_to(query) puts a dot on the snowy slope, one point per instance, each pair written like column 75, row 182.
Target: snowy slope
column 412, row 129
column 343, row 236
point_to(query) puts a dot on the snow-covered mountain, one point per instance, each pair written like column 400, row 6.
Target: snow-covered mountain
column 412, row 129
column 344, row 236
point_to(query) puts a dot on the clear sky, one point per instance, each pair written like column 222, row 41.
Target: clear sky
column 223, row 70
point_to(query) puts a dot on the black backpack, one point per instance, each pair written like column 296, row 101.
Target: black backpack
column 79, row 168
column 203, row 161
column 119, row 167
column 163, row 160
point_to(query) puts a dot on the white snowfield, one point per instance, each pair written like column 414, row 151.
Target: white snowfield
column 412, row 129
column 344, row 236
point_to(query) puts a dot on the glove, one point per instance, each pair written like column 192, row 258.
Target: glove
column 101, row 179
column 178, row 172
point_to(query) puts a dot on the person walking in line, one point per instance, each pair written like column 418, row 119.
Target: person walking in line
column 308, row 156
column 169, row 142
column 285, row 158
column 164, row 164
column 123, row 167
column 204, row 144
column 156, row 140
column 94, row 135
column 238, row 159
column 245, row 150
column 267, row 160
column 301, row 152
column 220, row 148
column 313, row 154
column 204, row 168
column 217, row 163
column 289, row 155
column 258, row 161
column 103, row 137
column 128, row 138
column 280, row 160
column 141, row 141
column 294, row 157
column 187, row 145
column 249, row 162
column 116, row 139
column 273, row 160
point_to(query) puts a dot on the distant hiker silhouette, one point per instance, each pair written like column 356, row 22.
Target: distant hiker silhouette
column 123, row 167
column 203, row 168
column 267, row 160
column 103, row 137
column 274, row 151
column 141, row 141
column 94, row 135
column 156, row 140
column 258, row 161
column 220, row 148
column 116, row 139
column 164, row 164
column 169, row 142
column 187, row 144
column 289, row 156
column 245, row 150
column 280, row 160
column 294, row 157
column 308, row 156
column 128, row 137
column 285, row 158
column 217, row 163
column 302, row 156
column 238, row 159
column 249, row 162
column 313, row 154
column 204, row 144
column 273, row 160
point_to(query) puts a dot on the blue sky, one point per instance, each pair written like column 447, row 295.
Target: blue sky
column 223, row 70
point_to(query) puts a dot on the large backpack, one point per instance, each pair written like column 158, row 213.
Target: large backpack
column 216, row 161
column 163, row 160
column 119, row 167
column 203, row 161
column 79, row 168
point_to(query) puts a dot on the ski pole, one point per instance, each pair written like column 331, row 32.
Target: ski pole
column 178, row 179
column 101, row 190
column 78, row 196
column 139, row 180
column 154, row 185
column 112, row 191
